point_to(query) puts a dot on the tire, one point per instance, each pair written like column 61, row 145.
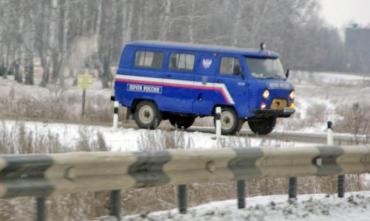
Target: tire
column 147, row 115
column 230, row 122
column 181, row 122
column 262, row 126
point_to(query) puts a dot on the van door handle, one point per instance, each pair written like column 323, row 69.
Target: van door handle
column 168, row 76
column 218, row 81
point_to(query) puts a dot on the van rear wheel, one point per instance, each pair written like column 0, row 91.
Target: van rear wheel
column 181, row 122
column 262, row 126
column 147, row 115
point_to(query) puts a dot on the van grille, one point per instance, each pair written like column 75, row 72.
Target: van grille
column 278, row 104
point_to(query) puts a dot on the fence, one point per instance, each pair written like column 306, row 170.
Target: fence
column 45, row 175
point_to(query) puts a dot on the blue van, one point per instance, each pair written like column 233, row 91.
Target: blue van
column 178, row 82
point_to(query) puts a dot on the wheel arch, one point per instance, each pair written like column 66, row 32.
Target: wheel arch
column 223, row 106
column 136, row 101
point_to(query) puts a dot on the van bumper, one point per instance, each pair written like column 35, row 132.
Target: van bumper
column 286, row 112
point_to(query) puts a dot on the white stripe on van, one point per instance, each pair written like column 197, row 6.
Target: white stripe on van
column 173, row 82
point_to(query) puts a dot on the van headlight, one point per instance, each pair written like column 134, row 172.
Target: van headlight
column 266, row 94
column 263, row 106
column 292, row 95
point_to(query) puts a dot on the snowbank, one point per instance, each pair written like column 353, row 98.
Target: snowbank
column 308, row 207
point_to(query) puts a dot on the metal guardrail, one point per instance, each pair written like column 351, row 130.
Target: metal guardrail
column 45, row 175
column 48, row 174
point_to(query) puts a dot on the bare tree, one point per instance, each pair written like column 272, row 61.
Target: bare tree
column 47, row 31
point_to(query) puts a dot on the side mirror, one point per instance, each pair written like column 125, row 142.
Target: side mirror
column 262, row 46
column 287, row 73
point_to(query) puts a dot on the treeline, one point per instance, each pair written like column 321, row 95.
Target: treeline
column 67, row 36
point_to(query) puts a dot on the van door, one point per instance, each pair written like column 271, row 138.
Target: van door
column 205, row 79
column 231, row 75
column 178, row 93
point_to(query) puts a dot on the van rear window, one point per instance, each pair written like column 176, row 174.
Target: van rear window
column 149, row 59
column 182, row 62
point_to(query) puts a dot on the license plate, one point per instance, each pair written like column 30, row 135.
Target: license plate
column 288, row 110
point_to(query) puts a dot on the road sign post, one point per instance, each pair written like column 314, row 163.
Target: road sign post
column 84, row 81
column 218, row 124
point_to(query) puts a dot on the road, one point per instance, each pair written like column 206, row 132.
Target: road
column 304, row 137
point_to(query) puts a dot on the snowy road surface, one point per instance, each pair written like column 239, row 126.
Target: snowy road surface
column 354, row 207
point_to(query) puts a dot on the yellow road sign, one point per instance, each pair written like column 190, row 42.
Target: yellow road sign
column 84, row 81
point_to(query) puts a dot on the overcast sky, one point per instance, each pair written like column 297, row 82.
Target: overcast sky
column 340, row 12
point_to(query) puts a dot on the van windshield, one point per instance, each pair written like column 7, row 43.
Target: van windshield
column 264, row 68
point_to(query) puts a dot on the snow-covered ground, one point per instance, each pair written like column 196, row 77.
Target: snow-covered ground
column 128, row 139
column 331, row 89
column 325, row 96
column 310, row 207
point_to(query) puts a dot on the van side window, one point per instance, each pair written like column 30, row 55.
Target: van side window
column 182, row 62
column 149, row 59
column 230, row 66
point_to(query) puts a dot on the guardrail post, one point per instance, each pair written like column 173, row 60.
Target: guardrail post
column 115, row 112
column 182, row 198
column 340, row 186
column 83, row 102
column 40, row 209
column 330, row 138
column 241, row 193
column 340, row 178
column 292, row 191
column 115, row 204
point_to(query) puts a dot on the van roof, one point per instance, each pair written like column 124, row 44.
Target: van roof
column 206, row 48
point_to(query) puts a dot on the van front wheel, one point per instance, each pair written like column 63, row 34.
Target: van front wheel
column 147, row 115
column 262, row 126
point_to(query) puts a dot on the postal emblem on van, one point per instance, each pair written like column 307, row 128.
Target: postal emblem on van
column 206, row 63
